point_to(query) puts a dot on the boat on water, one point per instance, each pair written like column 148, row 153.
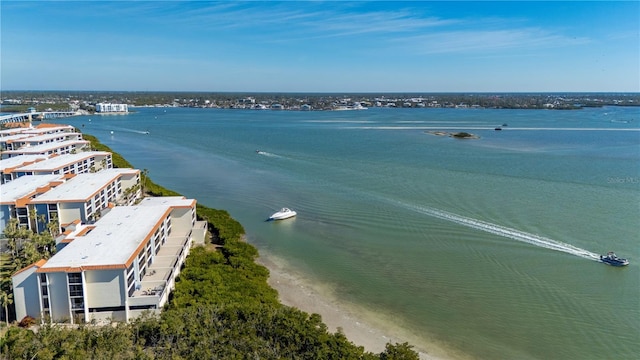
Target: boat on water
column 354, row 106
column 612, row 259
column 284, row 213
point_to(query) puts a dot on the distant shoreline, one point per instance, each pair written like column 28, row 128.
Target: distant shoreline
column 86, row 100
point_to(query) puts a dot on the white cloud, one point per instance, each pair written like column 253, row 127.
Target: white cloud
column 487, row 41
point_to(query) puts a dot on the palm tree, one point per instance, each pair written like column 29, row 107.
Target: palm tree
column 54, row 226
column 6, row 299
column 33, row 219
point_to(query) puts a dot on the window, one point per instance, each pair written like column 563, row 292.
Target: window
column 107, row 309
column 75, row 278
column 77, row 303
column 75, row 290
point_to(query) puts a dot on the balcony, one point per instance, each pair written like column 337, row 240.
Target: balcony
column 160, row 275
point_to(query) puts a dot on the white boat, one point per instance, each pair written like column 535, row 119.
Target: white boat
column 284, row 213
column 355, row 106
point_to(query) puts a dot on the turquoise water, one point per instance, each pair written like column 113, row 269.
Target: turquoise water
column 480, row 246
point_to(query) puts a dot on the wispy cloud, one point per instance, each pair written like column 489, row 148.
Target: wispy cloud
column 487, row 41
column 292, row 22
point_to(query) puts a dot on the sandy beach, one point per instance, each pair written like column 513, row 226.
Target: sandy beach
column 296, row 291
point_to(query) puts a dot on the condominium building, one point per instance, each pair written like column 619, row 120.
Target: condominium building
column 115, row 269
column 27, row 140
column 58, row 147
column 78, row 163
column 67, row 198
column 9, row 165
column 44, row 128
column 84, row 197
column 15, row 196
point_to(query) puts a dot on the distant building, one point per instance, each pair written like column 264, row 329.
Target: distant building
column 111, row 108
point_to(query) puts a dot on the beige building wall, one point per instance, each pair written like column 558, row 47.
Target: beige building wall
column 104, row 288
column 68, row 212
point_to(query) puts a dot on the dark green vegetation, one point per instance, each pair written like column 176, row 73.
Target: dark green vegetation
column 222, row 308
column 464, row 135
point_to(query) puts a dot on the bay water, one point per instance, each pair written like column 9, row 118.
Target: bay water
column 483, row 247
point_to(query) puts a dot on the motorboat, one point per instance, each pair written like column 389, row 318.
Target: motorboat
column 612, row 259
column 284, row 213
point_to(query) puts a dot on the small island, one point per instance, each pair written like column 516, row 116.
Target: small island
column 457, row 135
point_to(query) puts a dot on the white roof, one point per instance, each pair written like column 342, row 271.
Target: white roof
column 115, row 239
column 174, row 201
column 82, row 187
column 23, row 186
column 19, row 160
column 10, row 138
column 60, row 161
column 30, row 138
column 42, row 148
column 9, row 132
column 48, row 129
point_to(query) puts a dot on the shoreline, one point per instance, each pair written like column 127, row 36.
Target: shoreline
column 296, row 291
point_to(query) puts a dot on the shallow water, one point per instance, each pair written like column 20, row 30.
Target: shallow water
column 481, row 245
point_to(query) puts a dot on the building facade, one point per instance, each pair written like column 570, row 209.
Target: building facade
column 78, row 163
column 111, row 108
column 124, row 264
column 36, row 200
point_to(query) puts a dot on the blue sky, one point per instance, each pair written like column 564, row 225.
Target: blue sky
column 321, row 46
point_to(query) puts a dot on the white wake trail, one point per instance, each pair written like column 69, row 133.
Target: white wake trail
column 504, row 231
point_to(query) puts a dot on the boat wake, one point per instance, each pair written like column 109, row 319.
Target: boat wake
column 133, row 131
column 264, row 153
column 504, row 231
column 467, row 128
